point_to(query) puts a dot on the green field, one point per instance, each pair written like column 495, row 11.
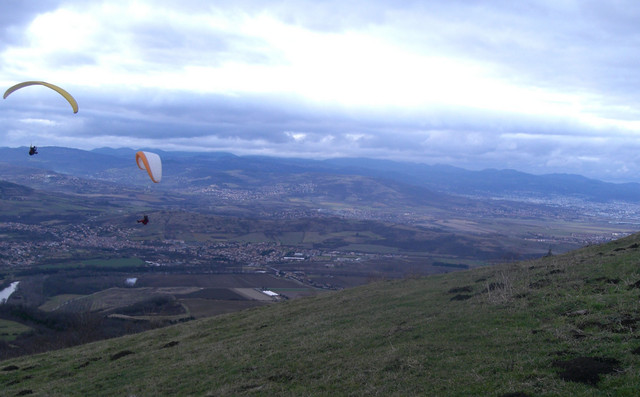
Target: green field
column 10, row 330
column 55, row 302
column 370, row 248
column 114, row 263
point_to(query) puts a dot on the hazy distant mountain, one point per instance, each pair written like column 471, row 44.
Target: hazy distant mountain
column 185, row 169
column 10, row 190
column 492, row 182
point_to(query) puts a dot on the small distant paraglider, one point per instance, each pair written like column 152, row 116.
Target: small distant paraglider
column 74, row 104
column 151, row 163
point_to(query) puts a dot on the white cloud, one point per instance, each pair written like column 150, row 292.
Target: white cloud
column 39, row 121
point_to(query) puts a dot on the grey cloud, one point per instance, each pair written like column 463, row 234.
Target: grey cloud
column 15, row 14
column 252, row 128
column 176, row 46
column 267, row 116
column 582, row 46
column 67, row 59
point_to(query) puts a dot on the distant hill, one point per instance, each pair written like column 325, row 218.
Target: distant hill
column 10, row 190
column 20, row 203
column 64, row 160
column 560, row 325
column 492, row 182
column 183, row 169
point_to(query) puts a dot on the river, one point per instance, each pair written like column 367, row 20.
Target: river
column 6, row 293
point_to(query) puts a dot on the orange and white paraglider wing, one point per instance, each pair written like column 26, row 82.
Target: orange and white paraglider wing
column 65, row 94
column 151, row 163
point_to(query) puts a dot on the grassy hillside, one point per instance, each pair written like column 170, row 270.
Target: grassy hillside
column 562, row 325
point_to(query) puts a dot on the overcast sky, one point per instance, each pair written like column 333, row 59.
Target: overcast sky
column 537, row 86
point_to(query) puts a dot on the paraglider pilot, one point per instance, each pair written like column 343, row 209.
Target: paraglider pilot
column 33, row 150
column 144, row 220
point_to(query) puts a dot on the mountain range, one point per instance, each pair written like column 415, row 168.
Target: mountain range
column 206, row 168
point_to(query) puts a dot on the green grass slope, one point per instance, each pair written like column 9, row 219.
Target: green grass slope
column 558, row 326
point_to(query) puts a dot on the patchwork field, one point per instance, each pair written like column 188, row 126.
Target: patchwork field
column 243, row 280
column 162, row 297
column 55, row 302
column 200, row 308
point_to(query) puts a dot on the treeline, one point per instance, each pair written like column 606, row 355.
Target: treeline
column 212, row 266
column 163, row 305
column 452, row 265
column 57, row 330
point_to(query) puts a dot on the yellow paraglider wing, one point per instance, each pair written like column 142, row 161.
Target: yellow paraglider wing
column 150, row 162
column 59, row 90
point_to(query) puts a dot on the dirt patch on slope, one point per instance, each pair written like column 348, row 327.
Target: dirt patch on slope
column 586, row 369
